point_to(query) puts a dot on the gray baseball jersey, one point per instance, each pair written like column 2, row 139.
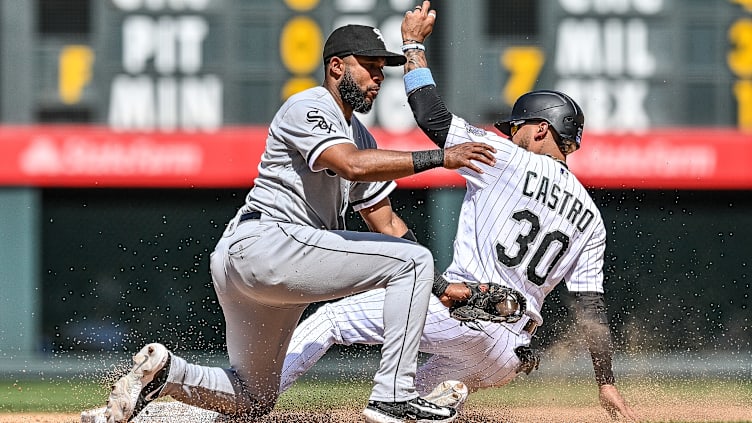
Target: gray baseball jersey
column 289, row 188
column 269, row 266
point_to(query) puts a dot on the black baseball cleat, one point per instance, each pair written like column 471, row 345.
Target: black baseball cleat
column 415, row 410
column 134, row 391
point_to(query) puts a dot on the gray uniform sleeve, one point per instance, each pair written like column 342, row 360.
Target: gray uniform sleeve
column 364, row 195
column 310, row 128
column 289, row 186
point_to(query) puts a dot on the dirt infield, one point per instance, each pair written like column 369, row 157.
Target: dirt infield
column 674, row 413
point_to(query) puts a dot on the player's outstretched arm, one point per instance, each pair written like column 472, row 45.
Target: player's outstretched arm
column 417, row 25
column 612, row 401
column 590, row 311
column 373, row 164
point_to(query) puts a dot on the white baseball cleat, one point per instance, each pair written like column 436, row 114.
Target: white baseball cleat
column 416, row 410
column 451, row 393
column 132, row 392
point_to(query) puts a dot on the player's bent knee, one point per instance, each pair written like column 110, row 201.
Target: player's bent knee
column 421, row 255
column 423, row 262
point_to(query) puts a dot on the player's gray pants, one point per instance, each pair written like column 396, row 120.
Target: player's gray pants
column 478, row 359
column 265, row 274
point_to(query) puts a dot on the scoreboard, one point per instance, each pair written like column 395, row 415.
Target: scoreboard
column 200, row 64
column 670, row 80
column 632, row 64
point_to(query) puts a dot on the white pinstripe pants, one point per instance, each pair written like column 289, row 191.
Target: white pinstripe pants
column 478, row 359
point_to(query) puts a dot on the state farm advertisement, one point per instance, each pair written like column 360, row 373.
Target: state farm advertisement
column 90, row 156
column 85, row 156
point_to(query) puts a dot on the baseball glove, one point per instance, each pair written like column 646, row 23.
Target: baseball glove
column 489, row 302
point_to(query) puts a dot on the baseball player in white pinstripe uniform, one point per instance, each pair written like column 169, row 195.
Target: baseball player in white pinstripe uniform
column 526, row 223
column 287, row 247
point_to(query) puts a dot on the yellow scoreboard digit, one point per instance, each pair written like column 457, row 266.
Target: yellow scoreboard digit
column 740, row 62
column 524, row 65
column 300, row 45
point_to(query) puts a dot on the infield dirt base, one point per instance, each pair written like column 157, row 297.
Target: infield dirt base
column 654, row 413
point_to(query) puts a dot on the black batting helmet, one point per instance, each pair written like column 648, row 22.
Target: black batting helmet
column 556, row 108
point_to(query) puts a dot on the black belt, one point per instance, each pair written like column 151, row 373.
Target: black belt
column 530, row 327
column 254, row 215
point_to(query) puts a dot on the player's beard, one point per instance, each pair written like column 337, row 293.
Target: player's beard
column 353, row 95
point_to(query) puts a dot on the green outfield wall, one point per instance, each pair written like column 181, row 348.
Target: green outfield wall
column 122, row 267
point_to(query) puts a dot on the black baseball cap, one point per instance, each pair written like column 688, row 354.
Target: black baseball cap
column 360, row 40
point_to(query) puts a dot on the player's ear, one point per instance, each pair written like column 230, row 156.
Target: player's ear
column 541, row 130
column 336, row 67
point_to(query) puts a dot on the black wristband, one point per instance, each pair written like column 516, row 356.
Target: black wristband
column 427, row 159
column 410, row 236
column 439, row 285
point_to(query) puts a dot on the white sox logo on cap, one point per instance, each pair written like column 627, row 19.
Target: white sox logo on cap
column 378, row 35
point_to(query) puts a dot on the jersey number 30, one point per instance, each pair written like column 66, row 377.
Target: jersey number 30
column 555, row 239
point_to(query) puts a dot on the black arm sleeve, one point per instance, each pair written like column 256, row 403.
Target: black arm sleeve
column 431, row 113
column 590, row 309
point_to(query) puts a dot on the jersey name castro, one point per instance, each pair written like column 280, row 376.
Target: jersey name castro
column 558, row 199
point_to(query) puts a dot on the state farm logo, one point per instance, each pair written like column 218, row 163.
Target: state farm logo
column 81, row 156
column 42, row 157
column 652, row 158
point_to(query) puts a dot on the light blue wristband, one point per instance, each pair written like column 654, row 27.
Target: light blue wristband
column 417, row 78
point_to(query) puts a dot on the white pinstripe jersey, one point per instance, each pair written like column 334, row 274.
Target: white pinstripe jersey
column 526, row 223
column 289, row 187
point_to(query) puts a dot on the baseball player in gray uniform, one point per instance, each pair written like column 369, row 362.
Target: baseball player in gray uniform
column 287, row 247
column 525, row 222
